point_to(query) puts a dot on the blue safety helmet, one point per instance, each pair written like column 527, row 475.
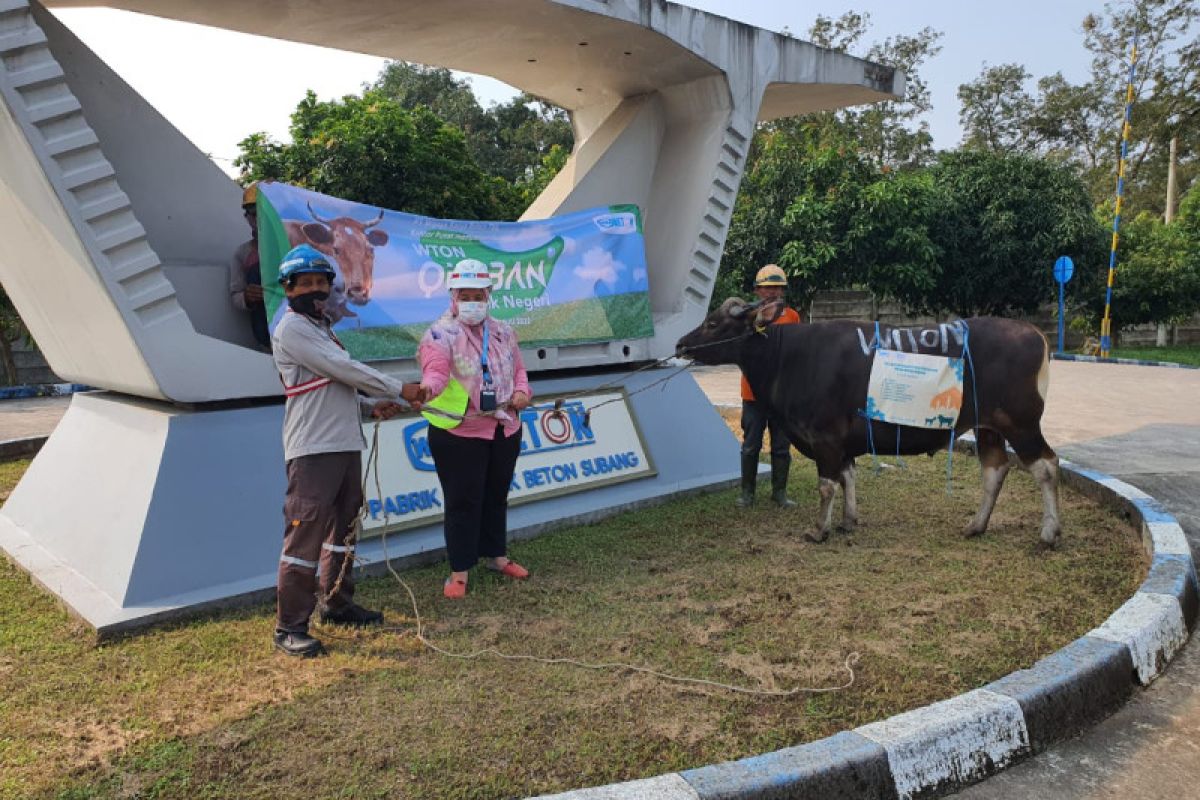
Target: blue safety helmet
column 301, row 259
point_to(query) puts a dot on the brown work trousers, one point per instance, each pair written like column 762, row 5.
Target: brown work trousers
column 324, row 495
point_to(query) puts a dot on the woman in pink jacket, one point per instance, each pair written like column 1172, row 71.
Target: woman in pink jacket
column 476, row 457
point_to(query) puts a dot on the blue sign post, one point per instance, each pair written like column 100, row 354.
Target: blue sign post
column 1064, row 268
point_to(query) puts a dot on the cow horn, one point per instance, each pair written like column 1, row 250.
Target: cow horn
column 375, row 221
column 315, row 215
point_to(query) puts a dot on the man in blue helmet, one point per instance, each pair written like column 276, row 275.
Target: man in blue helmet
column 323, row 443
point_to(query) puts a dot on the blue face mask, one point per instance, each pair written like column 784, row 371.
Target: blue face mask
column 472, row 313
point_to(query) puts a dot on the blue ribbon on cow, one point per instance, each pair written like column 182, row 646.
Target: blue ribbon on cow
column 975, row 400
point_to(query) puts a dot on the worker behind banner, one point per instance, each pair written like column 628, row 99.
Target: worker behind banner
column 562, row 450
column 571, row 279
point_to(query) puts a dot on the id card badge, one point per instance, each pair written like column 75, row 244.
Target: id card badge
column 487, row 394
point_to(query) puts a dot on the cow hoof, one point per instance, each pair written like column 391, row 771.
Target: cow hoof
column 1050, row 538
column 973, row 530
column 848, row 525
column 818, row 538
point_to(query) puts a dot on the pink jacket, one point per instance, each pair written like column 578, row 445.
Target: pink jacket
column 450, row 349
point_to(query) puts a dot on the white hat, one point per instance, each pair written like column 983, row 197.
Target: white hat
column 470, row 273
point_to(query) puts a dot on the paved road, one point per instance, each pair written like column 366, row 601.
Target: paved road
column 1141, row 424
column 20, row 419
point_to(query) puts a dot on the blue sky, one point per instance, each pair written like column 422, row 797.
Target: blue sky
column 216, row 102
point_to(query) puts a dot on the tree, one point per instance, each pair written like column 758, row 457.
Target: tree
column 1158, row 272
column 791, row 165
column 994, row 106
column 508, row 140
column 1002, row 221
column 12, row 330
column 890, row 133
column 373, row 151
column 1081, row 123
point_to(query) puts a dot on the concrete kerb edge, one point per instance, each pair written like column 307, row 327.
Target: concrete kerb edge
column 945, row 746
column 1136, row 362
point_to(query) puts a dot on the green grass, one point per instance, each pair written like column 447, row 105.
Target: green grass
column 1179, row 354
column 205, row 709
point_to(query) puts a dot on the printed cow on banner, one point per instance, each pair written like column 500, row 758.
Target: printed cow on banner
column 350, row 244
column 814, row 378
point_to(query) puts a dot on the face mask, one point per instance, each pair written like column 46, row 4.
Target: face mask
column 472, row 313
column 311, row 304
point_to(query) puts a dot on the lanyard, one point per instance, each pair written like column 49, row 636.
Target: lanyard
column 483, row 355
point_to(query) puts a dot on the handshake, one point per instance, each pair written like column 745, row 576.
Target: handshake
column 417, row 395
column 414, row 394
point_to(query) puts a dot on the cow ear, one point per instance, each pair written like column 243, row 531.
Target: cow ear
column 377, row 238
column 317, row 233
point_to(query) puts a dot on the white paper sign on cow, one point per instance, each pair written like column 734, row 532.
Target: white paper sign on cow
column 917, row 390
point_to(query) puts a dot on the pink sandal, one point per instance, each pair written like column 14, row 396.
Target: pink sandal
column 454, row 590
column 512, row 570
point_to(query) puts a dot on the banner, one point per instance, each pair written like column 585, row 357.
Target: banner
column 576, row 278
column 562, row 451
column 913, row 389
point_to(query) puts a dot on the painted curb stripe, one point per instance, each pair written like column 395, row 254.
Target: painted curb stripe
column 844, row 766
column 662, row 787
column 1175, row 576
column 1070, row 689
column 1137, row 362
column 952, row 743
column 1152, row 627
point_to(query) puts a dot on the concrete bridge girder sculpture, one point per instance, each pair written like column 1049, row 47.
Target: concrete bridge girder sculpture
column 115, row 230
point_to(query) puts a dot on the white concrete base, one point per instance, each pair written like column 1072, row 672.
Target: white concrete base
column 135, row 511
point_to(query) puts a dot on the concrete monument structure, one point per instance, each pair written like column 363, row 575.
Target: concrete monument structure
column 161, row 493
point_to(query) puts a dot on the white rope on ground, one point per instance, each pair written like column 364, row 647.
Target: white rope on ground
column 373, row 467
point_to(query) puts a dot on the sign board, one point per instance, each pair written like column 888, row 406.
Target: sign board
column 914, row 389
column 562, row 451
column 1064, row 268
column 580, row 277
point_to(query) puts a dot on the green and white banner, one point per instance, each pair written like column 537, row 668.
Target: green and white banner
column 576, row 278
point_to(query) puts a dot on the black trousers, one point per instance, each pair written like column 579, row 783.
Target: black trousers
column 475, row 476
column 755, row 420
column 324, row 495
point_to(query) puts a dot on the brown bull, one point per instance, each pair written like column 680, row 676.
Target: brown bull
column 814, row 379
column 349, row 242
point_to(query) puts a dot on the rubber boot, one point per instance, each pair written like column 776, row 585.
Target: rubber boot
column 779, row 478
column 353, row 615
column 300, row 645
column 749, row 480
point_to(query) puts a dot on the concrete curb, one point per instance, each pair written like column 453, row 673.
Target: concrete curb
column 945, row 746
column 1138, row 362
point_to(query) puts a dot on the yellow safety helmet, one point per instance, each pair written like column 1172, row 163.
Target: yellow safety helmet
column 250, row 195
column 770, row 275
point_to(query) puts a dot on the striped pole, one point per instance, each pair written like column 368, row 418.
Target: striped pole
column 1106, row 324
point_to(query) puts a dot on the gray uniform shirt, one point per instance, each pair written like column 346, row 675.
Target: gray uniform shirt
column 322, row 381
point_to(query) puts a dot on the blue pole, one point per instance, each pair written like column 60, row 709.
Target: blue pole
column 1060, row 316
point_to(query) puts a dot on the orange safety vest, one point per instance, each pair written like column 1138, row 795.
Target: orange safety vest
column 788, row 316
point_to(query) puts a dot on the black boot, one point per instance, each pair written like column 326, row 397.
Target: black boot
column 779, row 478
column 353, row 615
column 749, row 480
column 298, row 644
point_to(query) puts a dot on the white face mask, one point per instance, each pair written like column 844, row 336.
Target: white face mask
column 472, row 313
